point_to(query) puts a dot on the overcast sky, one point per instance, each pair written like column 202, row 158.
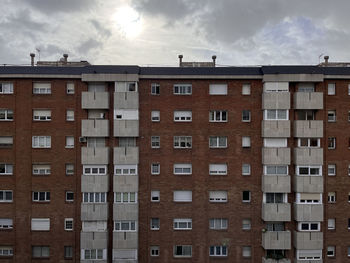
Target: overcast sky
column 155, row 32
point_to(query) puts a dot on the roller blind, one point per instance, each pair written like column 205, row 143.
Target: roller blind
column 309, row 196
column 218, row 89
column 183, row 196
column 6, row 140
column 125, row 254
column 275, row 142
column 40, row 224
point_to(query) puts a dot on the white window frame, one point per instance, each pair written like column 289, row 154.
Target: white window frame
column 67, row 193
column 69, row 141
column 331, row 89
column 182, row 89
column 182, row 116
column 155, row 223
column 45, row 221
column 7, row 168
column 332, row 197
column 332, row 116
column 95, row 169
column 154, row 251
column 309, row 142
column 218, row 223
column 309, row 167
column 4, row 193
column 216, row 142
column 187, row 192
column 70, row 89
column 182, row 168
column 246, row 224
column 125, row 169
column 244, row 119
column 155, row 196
column 182, row 142
column 6, row 251
column 155, row 89
column 6, row 141
column 70, row 115
column 218, row 89
column 8, row 114
column 125, row 197
column 331, row 251
column 331, row 223
column 155, row 142
column 37, row 196
column 41, row 169
column 309, row 224
column 246, row 200
column 276, row 117
column 42, row 88
column 331, row 169
column 298, row 199
column 99, row 254
column 246, row 169
column 218, row 116
column 126, row 114
column 126, row 86
column 6, row 88
column 6, row 223
column 41, row 141
column 120, row 224
column 274, row 196
column 41, row 115
column 67, row 222
column 218, row 196
column 299, row 252
column 218, row 251
column 155, row 168
column 276, row 87
column 183, row 255
column 331, row 140
column 275, row 142
column 275, row 167
column 69, row 168
column 218, row 169
column 246, row 89
column 246, row 142
column 155, row 116
column 182, row 223
column 94, row 197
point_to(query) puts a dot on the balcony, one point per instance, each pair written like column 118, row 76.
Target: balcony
column 125, row 183
column 93, row 240
column 126, row 100
column 308, row 240
column 308, row 184
column 308, row 100
column 276, row 212
column 308, row 156
column 92, row 212
column 126, row 155
column 98, row 155
column 308, row 261
column 275, row 129
column 125, row 211
column 126, row 128
column 308, row 212
column 308, row 129
column 276, row 100
column 276, row 184
column 270, row 260
column 95, row 100
column 95, row 128
column 275, row 156
column 276, row 240
column 94, row 183
column 125, row 240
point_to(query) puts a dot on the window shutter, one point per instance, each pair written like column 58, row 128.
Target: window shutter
column 183, row 196
column 40, row 224
column 218, row 89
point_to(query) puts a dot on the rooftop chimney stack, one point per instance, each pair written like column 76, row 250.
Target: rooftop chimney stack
column 65, row 58
column 32, row 56
column 180, row 60
column 326, row 60
column 214, row 59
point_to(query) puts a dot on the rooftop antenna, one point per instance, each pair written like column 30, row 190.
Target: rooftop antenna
column 319, row 58
column 38, row 50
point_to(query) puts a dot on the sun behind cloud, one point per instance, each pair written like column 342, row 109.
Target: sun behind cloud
column 128, row 22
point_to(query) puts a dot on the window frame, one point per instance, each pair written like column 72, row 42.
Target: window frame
column 155, row 168
column 218, row 223
column 222, row 114
column 6, row 113
column 245, row 114
column 217, row 140
column 246, row 200
column 70, row 115
column 178, row 221
column 155, row 223
column 7, row 168
column 218, row 171
column 331, row 89
column 309, row 224
column 6, row 88
column 67, row 222
column 182, row 142
column 42, row 90
column 46, row 139
column 155, row 89
column 155, row 116
column 125, row 197
column 132, row 225
column 183, row 255
column 37, row 196
column 183, row 167
column 91, row 169
column 246, row 89
column 94, row 197
column 41, row 251
column 183, row 116
column 5, row 198
column 155, row 196
column 218, row 251
column 155, row 142
column 182, row 89
column 68, row 193
column 332, row 116
column 276, row 117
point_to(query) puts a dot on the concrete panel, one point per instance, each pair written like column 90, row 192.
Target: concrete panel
column 126, row 100
column 308, row 100
column 94, row 100
column 126, row 155
column 95, row 128
column 308, row 129
column 126, row 128
column 293, row 77
column 92, row 212
column 308, row 212
column 276, row 212
column 308, row 184
column 275, row 129
column 276, row 240
column 270, row 260
column 276, row 184
column 125, row 211
column 99, row 155
column 308, row 156
column 276, row 100
column 275, row 155
column 98, row 77
column 93, row 240
column 125, row 240
column 125, row 183
column 308, row 240
column 124, row 255
column 94, row 183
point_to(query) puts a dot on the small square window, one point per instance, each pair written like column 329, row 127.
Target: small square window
column 246, row 224
column 69, row 141
column 246, row 142
column 331, row 88
column 69, row 196
column 246, row 89
column 155, row 115
column 155, row 89
column 68, row 224
column 246, row 116
column 70, row 115
column 155, row 223
column 155, row 168
column 331, row 251
column 246, row 169
column 331, row 116
column 154, row 251
column 246, row 196
column 155, row 196
column 69, row 169
column 331, row 169
column 68, row 252
column 331, row 142
column 155, row 141
column 70, row 88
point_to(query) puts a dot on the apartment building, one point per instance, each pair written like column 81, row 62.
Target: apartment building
column 175, row 164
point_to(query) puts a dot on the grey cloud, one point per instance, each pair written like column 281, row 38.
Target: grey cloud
column 89, row 45
column 55, row 6
column 100, row 28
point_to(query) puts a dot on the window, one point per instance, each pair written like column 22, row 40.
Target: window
column 6, row 251
column 275, row 226
column 246, row 115
column 125, row 86
column 246, row 224
column 331, row 197
column 94, row 226
column 69, row 196
column 218, row 251
column 331, row 251
column 94, row 114
column 6, row 223
column 41, row 141
column 218, row 89
column 183, row 142
column 306, row 87
column 309, row 226
column 183, row 251
column 41, row 196
column 6, row 169
column 68, row 224
column 349, row 247
column 94, row 254
column 155, row 196
column 69, row 169
column 182, row 223
column 92, row 197
column 182, row 116
column 41, row 169
column 309, row 170
column 246, row 196
column 331, row 142
column 70, row 115
column 218, row 223
column 155, row 223
column 331, row 116
column 125, row 197
column 126, row 114
column 155, row 142
column 275, row 198
column 306, row 115
column 94, row 169
column 70, row 88
column 275, row 142
column 276, row 115
column 331, row 169
column 218, row 142
column 125, row 225
column 245, row 142
column 41, row 88
column 218, row 196
column 155, row 168
column 125, row 169
column 68, row 252
column 246, row 89
column 218, row 169
column 331, row 88
column 6, row 115
column 247, row 251
column 95, row 142
column 155, row 115
column 154, row 251
column 40, row 224
column 245, row 169
column 42, row 115
column 276, row 87
column 40, row 251
column 308, row 198
column 309, row 142
column 308, row 254
column 183, row 168
column 6, row 196
column 218, row 116
column 276, row 169
column 182, row 196
column 69, row 141
column 155, row 89
column 6, row 88
column 6, row 141
column 182, row 89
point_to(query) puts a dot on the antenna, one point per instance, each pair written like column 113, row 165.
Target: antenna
column 38, row 50
column 319, row 57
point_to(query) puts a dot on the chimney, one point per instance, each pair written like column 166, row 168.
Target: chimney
column 180, row 60
column 214, row 59
column 326, row 60
column 65, row 56
column 32, row 55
